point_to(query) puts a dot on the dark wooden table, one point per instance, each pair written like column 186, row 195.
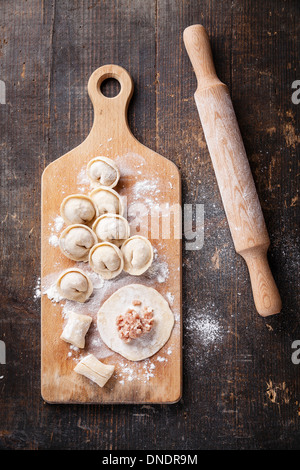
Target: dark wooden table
column 241, row 388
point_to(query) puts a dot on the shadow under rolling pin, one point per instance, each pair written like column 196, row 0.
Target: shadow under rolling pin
column 232, row 169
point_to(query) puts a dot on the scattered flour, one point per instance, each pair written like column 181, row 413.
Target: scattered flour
column 53, row 240
column 161, row 359
column 146, row 186
column 204, row 327
column 140, row 374
column 158, row 271
column 83, row 180
column 53, row 294
column 55, row 227
column 58, row 223
column 170, row 298
column 37, row 290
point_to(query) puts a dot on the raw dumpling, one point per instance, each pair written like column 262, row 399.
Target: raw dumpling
column 103, row 171
column 76, row 328
column 138, row 255
column 95, row 370
column 106, row 201
column 106, row 259
column 74, row 284
column 112, row 228
column 76, row 241
column 78, row 209
column 130, row 309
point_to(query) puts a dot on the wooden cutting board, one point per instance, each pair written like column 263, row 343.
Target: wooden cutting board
column 151, row 181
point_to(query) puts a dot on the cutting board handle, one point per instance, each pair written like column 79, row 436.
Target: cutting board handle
column 110, row 113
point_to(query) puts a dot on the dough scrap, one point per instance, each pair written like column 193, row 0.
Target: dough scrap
column 95, row 370
column 76, row 241
column 78, row 209
column 107, row 200
column 74, row 284
column 103, row 171
column 118, row 303
column 112, row 228
column 106, row 259
column 76, row 328
column 138, row 255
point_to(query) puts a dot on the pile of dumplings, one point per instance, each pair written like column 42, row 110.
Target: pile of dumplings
column 98, row 233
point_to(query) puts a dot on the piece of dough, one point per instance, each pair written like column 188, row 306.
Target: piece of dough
column 95, row 370
column 76, row 241
column 106, row 259
column 76, row 328
column 107, row 200
column 74, row 284
column 129, row 297
column 78, row 209
column 138, row 255
column 103, row 171
column 112, row 228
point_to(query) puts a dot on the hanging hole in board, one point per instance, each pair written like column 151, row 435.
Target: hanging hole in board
column 110, row 87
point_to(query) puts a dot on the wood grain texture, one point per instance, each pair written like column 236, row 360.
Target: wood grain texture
column 241, row 389
column 111, row 137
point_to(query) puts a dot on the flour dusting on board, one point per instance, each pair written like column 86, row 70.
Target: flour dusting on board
column 83, row 180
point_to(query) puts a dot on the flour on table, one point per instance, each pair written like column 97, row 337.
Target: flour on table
column 204, row 327
column 37, row 289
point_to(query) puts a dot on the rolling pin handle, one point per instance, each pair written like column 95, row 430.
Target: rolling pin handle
column 199, row 50
column 265, row 293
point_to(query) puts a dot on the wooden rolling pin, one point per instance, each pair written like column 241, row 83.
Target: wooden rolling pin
column 232, row 171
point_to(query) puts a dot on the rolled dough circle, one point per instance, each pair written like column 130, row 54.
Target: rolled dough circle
column 146, row 345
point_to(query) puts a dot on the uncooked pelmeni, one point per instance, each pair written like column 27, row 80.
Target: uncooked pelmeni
column 107, row 200
column 75, row 329
column 93, row 369
column 106, row 259
column 78, row 209
column 74, row 284
column 103, row 171
column 112, row 228
column 138, row 255
column 76, row 241
column 145, row 305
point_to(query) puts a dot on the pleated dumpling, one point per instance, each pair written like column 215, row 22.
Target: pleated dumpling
column 74, row 284
column 111, row 228
column 138, row 255
column 107, row 200
column 78, row 209
column 103, row 171
column 76, row 241
column 106, row 259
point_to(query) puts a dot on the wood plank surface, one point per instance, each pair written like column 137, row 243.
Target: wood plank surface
column 241, row 389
